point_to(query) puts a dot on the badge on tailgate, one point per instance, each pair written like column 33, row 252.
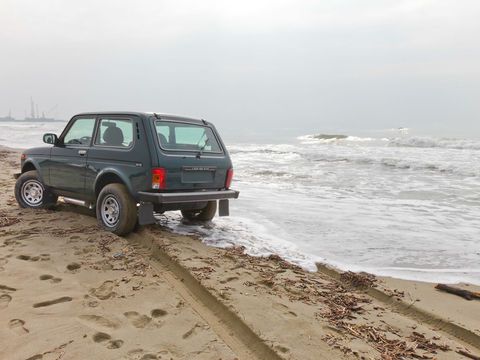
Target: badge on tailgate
column 199, row 168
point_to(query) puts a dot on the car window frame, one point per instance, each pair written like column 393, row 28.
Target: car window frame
column 167, row 120
column 69, row 126
column 113, row 117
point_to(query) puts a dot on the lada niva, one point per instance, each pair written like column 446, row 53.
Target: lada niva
column 128, row 165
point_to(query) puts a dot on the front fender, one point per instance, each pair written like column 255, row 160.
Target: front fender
column 33, row 164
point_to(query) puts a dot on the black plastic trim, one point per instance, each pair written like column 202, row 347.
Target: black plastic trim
column 187, row 197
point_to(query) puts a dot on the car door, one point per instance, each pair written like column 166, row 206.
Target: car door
column 114, row 150
column 69, row 157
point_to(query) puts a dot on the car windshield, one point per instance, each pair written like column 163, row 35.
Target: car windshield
column 186, row 137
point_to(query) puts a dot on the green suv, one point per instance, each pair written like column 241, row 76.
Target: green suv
column 129, row 165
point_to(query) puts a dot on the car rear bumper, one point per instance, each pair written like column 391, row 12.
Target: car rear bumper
column 186, row 197
column 149, row 199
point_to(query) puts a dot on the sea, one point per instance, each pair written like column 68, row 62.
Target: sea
column 392, row 204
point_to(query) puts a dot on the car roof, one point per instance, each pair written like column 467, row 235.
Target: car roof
column 146, row 114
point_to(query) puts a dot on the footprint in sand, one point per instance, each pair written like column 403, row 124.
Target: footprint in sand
column 104, row 291
column 137, row 320
column 149, row 357
column 17, row 326
column 141, row 354
column 101, row 337
column 10, row 242
column 5, row 300
column 73, row 266
column 105, row 339
column 41, row 257
column 51, row 278
column 156, row 313
column 7, row 288
column 90, row 301
column 53, row 302
column 44, row 257
column 100, row 321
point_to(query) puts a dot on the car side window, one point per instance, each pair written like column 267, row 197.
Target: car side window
column 115, row 132
column 80, row 133
column 163, row 132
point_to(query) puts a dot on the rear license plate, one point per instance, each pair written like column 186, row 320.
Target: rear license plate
column 198, row 174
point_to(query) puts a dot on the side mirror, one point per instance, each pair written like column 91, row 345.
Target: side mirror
column 50, row 139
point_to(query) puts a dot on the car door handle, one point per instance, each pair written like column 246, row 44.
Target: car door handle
column 82, row 152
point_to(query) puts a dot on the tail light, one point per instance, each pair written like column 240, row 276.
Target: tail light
column 228, row 180
column 159, row 178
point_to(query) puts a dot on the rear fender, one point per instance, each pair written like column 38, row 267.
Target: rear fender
column 111, row 173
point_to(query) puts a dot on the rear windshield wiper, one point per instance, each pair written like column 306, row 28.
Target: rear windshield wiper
column 203, row 147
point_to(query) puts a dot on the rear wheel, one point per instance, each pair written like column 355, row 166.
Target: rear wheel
column 31, row 193
column 205, row 214
column 116, row 209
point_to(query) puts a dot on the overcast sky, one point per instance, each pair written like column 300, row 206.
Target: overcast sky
column 274, row 67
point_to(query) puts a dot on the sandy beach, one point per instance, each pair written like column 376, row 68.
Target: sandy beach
column 69, row 290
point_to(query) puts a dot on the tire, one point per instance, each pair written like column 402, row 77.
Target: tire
column 205, row 214
column 30, row 192
column 116, row 209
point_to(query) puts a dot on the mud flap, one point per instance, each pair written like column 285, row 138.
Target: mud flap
column 223, row 209
column 145, row 213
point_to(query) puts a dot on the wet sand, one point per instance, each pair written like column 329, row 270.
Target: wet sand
column 71, row 291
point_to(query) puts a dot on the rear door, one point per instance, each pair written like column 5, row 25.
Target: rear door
column 192, row 154
column 69, row 159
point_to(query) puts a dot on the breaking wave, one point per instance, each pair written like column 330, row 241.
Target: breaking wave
column 412, row 142
column 428, row 142
column 334, row 139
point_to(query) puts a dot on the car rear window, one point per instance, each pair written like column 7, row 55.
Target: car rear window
column 186, row 137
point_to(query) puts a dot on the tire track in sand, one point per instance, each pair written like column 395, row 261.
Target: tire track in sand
column 236, row 334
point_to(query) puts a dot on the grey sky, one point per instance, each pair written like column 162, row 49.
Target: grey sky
column 297, row 66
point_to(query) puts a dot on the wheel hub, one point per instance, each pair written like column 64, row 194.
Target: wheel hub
column 32, row 192
column 110, row 211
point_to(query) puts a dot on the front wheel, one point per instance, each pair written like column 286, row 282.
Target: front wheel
column 205, row 214
column 31, row 193
column 116, row 209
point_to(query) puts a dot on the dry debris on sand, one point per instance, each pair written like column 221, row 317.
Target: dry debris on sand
column 337, row 312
